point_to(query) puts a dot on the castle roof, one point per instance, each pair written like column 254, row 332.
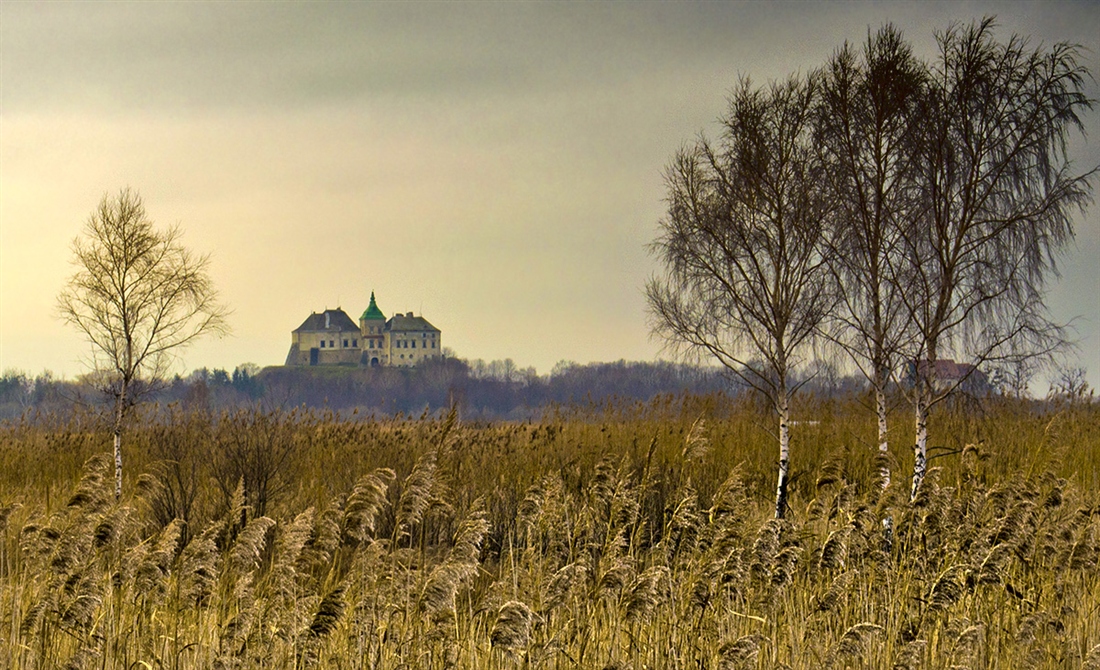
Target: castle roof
column 330, row 320
column 408, row 322
column 372, row 312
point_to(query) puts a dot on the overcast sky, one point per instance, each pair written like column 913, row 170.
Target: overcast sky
column 495, row 167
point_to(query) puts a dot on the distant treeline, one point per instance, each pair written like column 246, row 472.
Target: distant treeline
column 494, row 390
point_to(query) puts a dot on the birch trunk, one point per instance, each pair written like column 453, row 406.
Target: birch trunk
column 119, row 410
column 784, row 456
column 883, row 442
column 920, row 455
column 884, row 467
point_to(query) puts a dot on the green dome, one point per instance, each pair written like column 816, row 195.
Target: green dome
column 372, row 313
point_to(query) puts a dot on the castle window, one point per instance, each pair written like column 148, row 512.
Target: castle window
column 322, row 344
column 345, row 344
column 355, row 343
column 414, row 344
column 331, row 344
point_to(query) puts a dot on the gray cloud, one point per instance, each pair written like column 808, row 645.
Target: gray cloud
column 510, row 154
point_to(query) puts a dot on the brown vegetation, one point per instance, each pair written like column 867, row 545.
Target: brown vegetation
column 636, row 537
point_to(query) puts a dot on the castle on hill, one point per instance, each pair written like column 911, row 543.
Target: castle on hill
column 332, row 338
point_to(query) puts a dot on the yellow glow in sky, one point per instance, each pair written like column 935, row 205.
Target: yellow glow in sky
column 496, row 168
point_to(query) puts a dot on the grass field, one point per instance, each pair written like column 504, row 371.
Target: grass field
column 635, row 536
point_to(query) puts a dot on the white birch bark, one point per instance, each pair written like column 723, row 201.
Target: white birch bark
column 119, row 410
column 883, row 442
column 920, row 455
column 784, row 456
column 884, row 468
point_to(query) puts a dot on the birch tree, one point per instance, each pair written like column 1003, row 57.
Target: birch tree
column 138, row 295
column 743, row 276
column 866, row 125
column 998, row 191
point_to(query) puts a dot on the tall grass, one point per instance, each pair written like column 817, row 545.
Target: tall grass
column 617, row 537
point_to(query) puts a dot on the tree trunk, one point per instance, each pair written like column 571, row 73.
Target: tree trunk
column 883, row 442
column 784, row 456
column 920, row 460
column 120, row 409
column 884, row 467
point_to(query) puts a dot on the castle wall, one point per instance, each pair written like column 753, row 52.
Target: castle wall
column 406, row 348
column 333, row 347
column 373, row 342
column 403, row 340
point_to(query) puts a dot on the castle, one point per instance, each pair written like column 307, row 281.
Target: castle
column 332, row 338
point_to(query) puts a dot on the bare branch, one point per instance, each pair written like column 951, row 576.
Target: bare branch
column 137, row 296
column 745, row 280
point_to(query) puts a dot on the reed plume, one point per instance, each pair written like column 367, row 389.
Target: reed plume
column 946, row 589
column 562, row 585
column 836, row 593
column 416, row 496
column 459, row 567
column 834, row 551
column 855, row 642
column 646, row 593
column 152, row 572
column 198, row 569
column 328, row 614
column 365, row 502
column 696, row 444
column 94, row 491
column 739, row 654
column 245, row 555
column 512, row 629
column 967, row 638
column 911, row 656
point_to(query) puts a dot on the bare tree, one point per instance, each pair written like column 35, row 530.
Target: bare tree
column 138, row 296
column 1012, row 376
column 1070, row 383
column 257, row 449
column 866, row 125
column 997, row 191
column 744, row 278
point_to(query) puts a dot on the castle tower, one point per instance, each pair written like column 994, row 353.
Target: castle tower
column 372, row 324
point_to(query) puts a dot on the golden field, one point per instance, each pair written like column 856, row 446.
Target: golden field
column 632, row 536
